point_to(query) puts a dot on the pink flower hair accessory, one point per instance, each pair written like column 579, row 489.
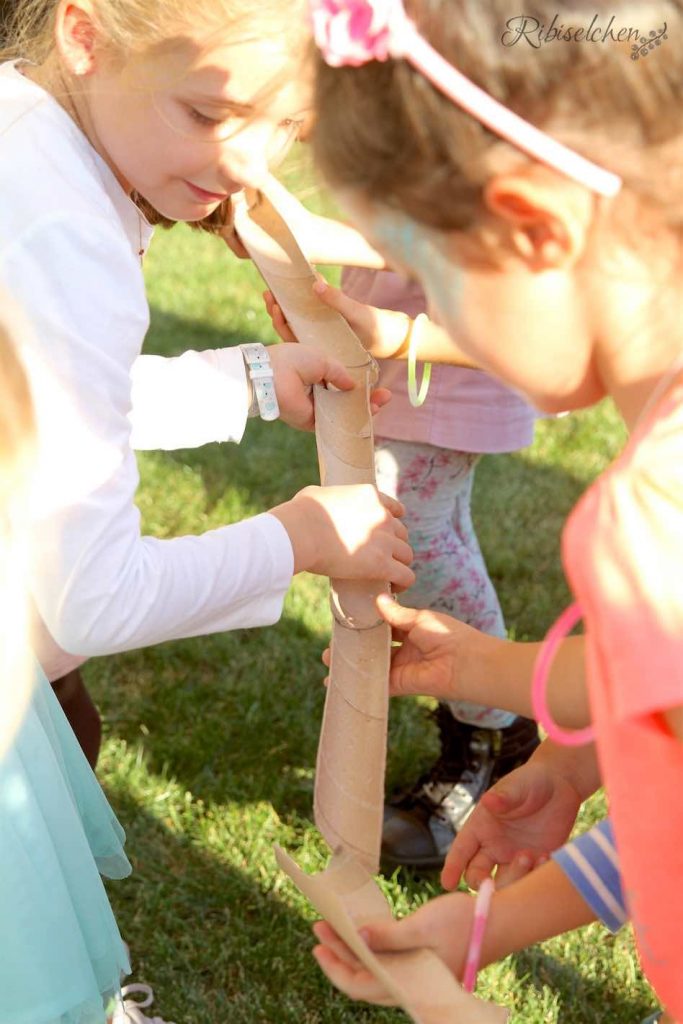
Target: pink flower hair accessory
column 353, row 32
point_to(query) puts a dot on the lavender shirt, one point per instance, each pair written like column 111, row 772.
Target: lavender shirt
column 465, row 410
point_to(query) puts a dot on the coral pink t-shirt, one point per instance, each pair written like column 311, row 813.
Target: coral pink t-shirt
column 623, row 552
column 465, row 410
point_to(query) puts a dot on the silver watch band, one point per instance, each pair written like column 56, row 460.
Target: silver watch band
column 260, row 372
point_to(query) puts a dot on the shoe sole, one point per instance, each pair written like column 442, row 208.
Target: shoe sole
column 389, row 865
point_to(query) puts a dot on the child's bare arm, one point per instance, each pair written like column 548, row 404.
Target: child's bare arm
column 447, row 659
column 537, row 907
column 383, row 332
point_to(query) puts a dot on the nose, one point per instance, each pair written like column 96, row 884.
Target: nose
column 244, row 155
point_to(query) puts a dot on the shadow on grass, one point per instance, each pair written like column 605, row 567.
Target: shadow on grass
column 583, row 999
column 215, row 942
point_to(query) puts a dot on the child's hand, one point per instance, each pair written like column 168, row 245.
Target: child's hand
column 514, row 827
column 439, row 655
column 443, row 925
column 350, row 532
column 381, row 331
column 296, row 369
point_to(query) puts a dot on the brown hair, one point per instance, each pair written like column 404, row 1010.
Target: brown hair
column 384, row 130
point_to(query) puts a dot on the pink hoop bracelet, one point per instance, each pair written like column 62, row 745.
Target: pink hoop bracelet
column 555, row 635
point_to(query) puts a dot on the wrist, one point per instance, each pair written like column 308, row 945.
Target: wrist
column 292, row 515
column 577, row 766
column 481, row 666
column 261, row 382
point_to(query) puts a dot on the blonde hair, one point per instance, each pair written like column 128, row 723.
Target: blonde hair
column 17, row 433
column 135, row 26
column 384, row 130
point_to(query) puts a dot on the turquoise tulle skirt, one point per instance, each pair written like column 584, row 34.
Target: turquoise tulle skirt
column 61, row 954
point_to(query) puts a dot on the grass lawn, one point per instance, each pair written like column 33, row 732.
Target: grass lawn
column 210, row 743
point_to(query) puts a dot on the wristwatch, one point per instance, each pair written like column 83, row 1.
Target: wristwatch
column 260, row 371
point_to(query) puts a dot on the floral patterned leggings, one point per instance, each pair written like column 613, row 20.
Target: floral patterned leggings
column 435, row 485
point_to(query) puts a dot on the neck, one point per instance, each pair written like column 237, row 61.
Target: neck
column 641, row 335
column 71, row 93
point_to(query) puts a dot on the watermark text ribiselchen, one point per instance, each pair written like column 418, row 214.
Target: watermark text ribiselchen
column 526, row 29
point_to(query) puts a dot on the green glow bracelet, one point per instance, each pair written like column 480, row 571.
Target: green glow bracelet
column 417, row 397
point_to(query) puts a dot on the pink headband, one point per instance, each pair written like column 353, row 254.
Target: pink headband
column 354, row 32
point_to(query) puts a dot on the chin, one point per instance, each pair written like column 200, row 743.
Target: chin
column 167, row 211
column 553, row 405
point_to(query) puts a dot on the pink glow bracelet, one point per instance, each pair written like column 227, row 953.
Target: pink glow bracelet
column 482, row 906
column 555, row 635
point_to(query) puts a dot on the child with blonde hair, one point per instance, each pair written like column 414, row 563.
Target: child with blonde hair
column 547, row 170
column 108, row 111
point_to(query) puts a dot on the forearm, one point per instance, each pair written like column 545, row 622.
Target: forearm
column 101, row 587
column 578, row 765
column 434, row 345
column 499, row 672
column 340, row 244
column 541, row 905
column 188, row 400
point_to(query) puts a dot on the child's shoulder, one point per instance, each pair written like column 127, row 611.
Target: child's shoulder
column 632, row 515
column 653, row 459
column 46, row 164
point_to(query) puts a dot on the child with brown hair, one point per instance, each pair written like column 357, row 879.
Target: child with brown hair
column 549, row 175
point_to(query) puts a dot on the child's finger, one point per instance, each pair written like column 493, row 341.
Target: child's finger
column 393, row 505
column 396, row 936
column 281, row 325
column 521, row 864
column 338, row 376
column 400, row 618
column 336, row 299
column 379, row 397
column 357, row 984
column 480, row 867
column 401, row 576
column 463, row 849
column 326, row 656
column 400, row 529
column 327, row 937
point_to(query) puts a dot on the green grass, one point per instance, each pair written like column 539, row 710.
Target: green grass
column 210, row 743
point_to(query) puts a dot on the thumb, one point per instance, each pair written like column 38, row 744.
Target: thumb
column 336, row 299
column 399, row 617
column 505, row 798
column 387, row 935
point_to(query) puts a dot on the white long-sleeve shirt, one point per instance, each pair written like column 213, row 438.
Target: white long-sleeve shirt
column 69, row 254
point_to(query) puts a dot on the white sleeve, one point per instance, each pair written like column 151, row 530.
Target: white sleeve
column 97, row 583
column 189, row 400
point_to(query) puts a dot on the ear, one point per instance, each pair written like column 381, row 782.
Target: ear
column 549, row 217
column 76, row 36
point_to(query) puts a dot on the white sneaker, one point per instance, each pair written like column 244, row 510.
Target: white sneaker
column 129, row 1011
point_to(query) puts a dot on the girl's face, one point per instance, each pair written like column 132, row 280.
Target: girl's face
column 187, row 127
column 526, row 328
